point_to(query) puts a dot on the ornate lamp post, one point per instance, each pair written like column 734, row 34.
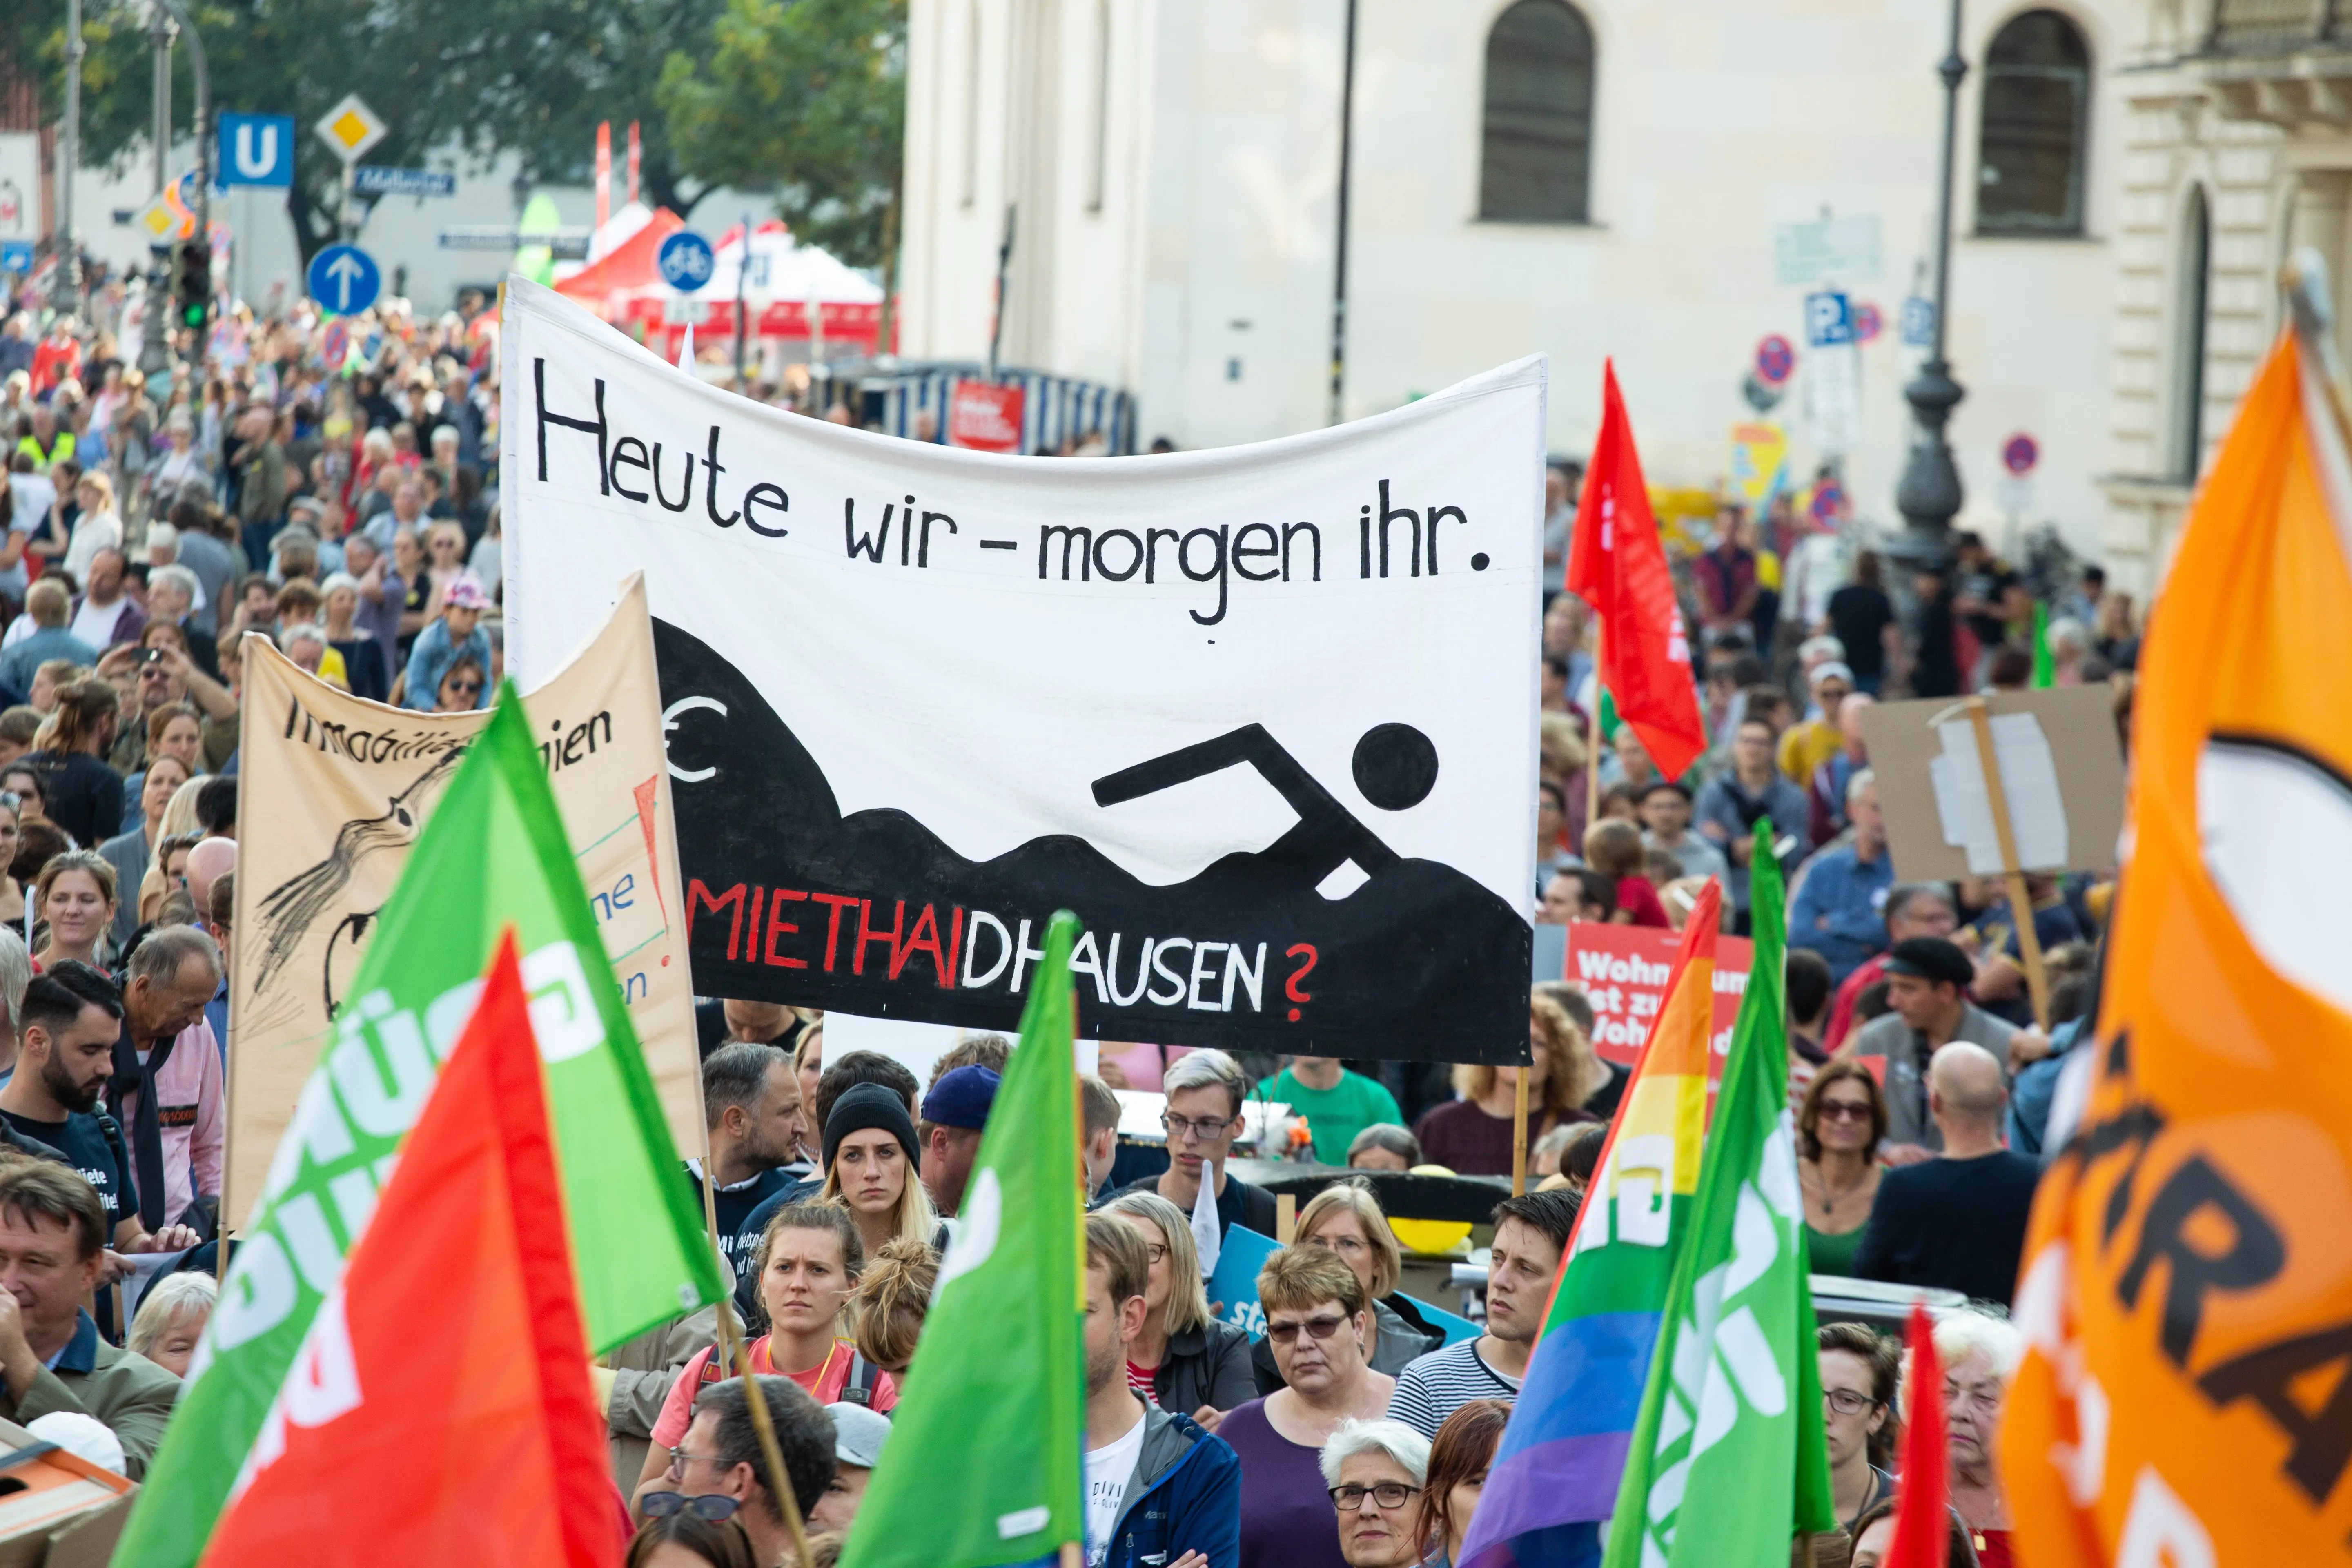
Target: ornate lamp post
column 1929, row 494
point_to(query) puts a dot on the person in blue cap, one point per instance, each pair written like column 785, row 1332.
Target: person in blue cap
column 953, row 1114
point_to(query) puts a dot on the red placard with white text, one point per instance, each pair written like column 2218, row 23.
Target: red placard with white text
column 1622, row 971
column 984, row 417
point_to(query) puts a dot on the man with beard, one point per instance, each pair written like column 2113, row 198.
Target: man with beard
column 752, row 1104
column 66, row 1029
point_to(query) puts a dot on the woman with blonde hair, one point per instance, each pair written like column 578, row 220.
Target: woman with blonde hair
column 75, row 895
column 171, row 1319
column 1472, row 1135
column 1346, row 1217
column 870, row 1160
column 892, row 1299
column 1184, row 1360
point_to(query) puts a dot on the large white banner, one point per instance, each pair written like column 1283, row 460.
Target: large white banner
column 1263, row 717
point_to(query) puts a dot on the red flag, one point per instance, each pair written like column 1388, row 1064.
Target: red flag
column 1923, row 1515
column 1617, row 565
column 439, row 1410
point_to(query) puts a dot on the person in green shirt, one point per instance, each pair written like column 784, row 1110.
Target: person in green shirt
column 1337, row 1104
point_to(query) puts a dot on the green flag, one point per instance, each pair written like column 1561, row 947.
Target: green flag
column 984, row 1463
column 1731, row 1418
column 492, row 854
column 2045, row 667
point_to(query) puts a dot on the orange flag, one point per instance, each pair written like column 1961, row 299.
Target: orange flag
column 2186, row 1398
column 439, row 1410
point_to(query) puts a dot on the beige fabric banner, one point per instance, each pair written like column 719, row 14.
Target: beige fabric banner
column 332, row 791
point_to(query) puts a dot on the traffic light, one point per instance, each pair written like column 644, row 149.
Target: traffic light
column 191, row 284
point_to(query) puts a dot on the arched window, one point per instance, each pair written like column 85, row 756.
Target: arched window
column 2037, row 115
column 1536, row 164
column 2186, row 435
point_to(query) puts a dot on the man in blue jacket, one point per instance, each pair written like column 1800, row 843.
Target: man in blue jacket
column 1159, row 1488
column 1840, row 909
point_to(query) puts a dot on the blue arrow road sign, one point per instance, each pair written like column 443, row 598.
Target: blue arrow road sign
column 685, row 260
column 256, row 150
column 345, row 279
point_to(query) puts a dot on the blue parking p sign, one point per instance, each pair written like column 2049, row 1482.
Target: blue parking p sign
column 256, row 150
column 1829, row 319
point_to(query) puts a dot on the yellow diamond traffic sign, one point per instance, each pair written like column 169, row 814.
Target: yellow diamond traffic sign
column 164, row 222
column 350, row 127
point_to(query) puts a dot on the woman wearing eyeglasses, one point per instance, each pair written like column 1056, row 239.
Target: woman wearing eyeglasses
column 1184, row 1360
column 1315, row 1318
column 1838, row 1130
column 1374, row 1473
column 1858, row 1371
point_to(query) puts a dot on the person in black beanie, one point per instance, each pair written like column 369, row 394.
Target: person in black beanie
column 870, row 1160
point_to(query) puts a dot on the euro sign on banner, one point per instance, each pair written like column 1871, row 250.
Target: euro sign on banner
column 493, row 855
column 2187, row 1291
column 1727, row 1459
column 335, row 790
column 1005, row 1343
column 1257, row 716
column 1555, row 1474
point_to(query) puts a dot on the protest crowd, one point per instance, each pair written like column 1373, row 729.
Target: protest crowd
column 350, row 514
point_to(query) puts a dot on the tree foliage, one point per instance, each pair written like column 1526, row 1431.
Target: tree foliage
column 806, row 97
column 470, row 80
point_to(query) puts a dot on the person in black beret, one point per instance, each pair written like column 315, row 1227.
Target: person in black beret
column 1928, row 981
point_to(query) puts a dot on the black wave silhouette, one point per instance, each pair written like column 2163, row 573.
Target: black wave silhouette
column 1419, row 962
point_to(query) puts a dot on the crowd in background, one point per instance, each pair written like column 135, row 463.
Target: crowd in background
column 349, row 513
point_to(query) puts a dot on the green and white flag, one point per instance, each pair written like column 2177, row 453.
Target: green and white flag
column 1727, row 1460
column 985, row 1460
column 493, row 854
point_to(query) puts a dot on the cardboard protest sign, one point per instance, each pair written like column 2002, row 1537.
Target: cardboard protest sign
column 1257, row 716
column 1622, row 971
column 2061, row 764
column 335, row 789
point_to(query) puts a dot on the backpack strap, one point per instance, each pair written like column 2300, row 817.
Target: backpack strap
column 864, row 1378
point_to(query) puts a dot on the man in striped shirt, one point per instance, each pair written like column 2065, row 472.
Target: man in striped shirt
column 1529, row 1233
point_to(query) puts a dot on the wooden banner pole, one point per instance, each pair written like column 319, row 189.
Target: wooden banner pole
column 1519, row 1134
column 2021, row 904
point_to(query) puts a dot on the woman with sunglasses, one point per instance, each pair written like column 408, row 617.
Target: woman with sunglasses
column 1838, row 1131
column 1185, row 1359
column 683, row 1531
column 461, row 688
column 1314, row 1318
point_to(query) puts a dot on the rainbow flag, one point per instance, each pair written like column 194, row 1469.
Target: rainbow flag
column 1556, row 1474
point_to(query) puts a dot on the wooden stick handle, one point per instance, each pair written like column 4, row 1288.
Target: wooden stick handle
column 2021, row 904
column 1519, row 1134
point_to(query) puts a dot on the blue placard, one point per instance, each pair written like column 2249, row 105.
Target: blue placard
column 384, row 180
column 1829, row 319
column 685, row 260
column 1456, row 1329
column 15, row 256
column 1233, row 1289
column 345, row 279
column 256, row 150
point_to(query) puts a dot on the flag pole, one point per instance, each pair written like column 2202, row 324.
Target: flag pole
column 733, row 1351
column 1593, row 741
column 2021, row 906
column 1519, row 1134
column 2303, row 280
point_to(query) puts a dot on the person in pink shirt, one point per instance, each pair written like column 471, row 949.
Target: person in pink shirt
column 191, row 1113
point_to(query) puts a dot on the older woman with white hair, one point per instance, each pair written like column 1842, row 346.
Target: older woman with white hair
column 1980, row 1349
column 1184, row 1359
column 1373, row 1472
column 1204, row 1115
column 366, row 664
column 172, row 1318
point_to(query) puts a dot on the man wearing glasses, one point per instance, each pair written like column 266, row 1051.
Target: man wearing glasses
column 1374, row 1470
column 1205, row 1090
column 715, row 1470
